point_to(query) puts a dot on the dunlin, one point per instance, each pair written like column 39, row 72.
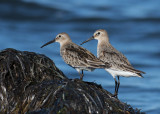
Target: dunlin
column 120, row 66
column 76, row 56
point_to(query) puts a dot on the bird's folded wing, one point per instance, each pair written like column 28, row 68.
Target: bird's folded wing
column 80, row 57
column 129, row 68
column 113, row 57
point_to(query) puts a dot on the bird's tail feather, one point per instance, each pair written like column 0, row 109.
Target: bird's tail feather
column 138, row 72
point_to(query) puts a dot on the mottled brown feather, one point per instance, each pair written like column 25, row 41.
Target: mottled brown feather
column 79, row 57
column 116, row 59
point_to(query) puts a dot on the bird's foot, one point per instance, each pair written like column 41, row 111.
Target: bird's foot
column 81, row 78
column 76, row 80
column 115, row 95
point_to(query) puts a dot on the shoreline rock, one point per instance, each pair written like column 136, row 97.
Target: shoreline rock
column 31, row 83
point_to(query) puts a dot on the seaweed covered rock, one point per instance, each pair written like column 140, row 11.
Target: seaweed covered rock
column 31, row 83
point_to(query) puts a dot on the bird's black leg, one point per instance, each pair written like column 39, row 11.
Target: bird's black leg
column 81, row 75
column 115, row 92
column 118, row 84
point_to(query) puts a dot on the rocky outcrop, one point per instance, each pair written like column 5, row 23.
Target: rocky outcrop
column 31, row 83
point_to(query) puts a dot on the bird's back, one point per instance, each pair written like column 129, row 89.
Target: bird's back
column 118, row 61
column 79, row 57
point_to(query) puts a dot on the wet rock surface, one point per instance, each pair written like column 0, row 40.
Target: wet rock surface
column 31, row 83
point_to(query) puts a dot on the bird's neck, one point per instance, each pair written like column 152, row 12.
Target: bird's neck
column 103, row 44
column 64, row 44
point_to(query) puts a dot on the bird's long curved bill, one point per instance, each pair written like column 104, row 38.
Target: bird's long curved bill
column 52, row 41
column 91, row 38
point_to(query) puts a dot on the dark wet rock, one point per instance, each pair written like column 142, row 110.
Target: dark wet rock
column 31, row 83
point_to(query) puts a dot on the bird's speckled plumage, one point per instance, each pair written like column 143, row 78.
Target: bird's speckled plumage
column 107, row 53
column 120, row 66
column 76, row 56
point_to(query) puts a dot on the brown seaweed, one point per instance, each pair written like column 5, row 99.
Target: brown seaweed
column 31, row 83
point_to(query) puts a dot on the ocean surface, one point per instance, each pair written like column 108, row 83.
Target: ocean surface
column 133, row 28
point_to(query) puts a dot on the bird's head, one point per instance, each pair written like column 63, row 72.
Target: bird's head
column 98, row 35
column 60, row 38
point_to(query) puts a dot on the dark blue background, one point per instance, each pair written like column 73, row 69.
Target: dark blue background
column 133, row 28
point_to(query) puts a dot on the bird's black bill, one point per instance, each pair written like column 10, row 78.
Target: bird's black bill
column 48, row 43
column 88, row 40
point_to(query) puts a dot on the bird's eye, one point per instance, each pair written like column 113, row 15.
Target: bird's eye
column 98, row 33
column 59, row 36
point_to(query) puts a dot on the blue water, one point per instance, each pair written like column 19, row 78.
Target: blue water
column 133, row 28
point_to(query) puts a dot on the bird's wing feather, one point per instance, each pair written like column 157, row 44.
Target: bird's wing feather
column 77, row 56
column 119, row 61
column 129, row 68
column 113, row 57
